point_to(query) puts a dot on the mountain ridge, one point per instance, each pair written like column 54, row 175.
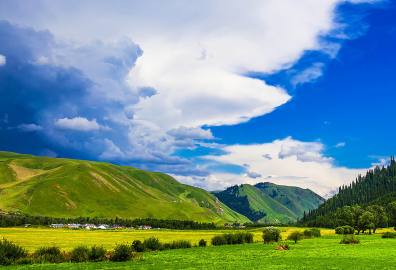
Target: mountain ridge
column 270, row 203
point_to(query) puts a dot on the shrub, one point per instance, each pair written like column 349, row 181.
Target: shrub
column 180, row 244
column 97, row 253
column 48, row 254
column 248, row 237
column 121, row 253
column 137, row 246
column 152, row 243
column 202, row 243
column 389, row 235
column 313, row 232
column 271, row 234
column 344, row 230
column 295, row 236
column 219, row 240
column 349, row 239
column 79, row 254
column 10, row 252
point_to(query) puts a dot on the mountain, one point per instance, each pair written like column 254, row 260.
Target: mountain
column 270, row 203
column 378, row 186
column 71, row 188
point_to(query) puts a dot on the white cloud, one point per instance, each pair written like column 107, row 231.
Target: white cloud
column 30, row 127
column 340, row 145
column 308, row 75
column 78, row 124
column 3, row 60
column 313, row 170
column 195, row 54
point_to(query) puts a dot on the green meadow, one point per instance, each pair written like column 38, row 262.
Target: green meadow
column 325, row 252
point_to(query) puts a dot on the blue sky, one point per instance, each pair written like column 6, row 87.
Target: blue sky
column 292, row 93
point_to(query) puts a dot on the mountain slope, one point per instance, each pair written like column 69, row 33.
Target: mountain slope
column 71, row 188
column 270, row 203
column 378, row 186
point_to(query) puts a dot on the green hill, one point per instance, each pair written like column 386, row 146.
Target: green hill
column 377, row 187
column 72, row 188
column 270, row 203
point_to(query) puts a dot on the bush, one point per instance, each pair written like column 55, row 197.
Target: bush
column 389, row 235
column 97, row 253
column 345, row 230
column 121, row 253
column 248, row 237
column 219, row 240
column 48, row 254
column 137, row 246
column 180, row 244
column 310, row 233
column 10, row 252
column 295, row 236
column 152, row 243
column 271, row 234
column 79, row 254
column 202, row 243
column 349, row 239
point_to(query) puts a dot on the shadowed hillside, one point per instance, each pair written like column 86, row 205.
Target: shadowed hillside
column 270, row 203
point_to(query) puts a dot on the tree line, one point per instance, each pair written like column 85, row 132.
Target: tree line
column 375, row 190
column 19, row 219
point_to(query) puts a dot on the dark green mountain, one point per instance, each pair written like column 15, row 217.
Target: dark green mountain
column 378, row 186
column 72, row 188
column 270, row 203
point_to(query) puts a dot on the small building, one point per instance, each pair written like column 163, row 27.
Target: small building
column 57, row 226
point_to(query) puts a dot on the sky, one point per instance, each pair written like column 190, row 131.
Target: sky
column 214, row 93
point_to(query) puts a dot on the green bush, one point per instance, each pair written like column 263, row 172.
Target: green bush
column 389, row 235
column 271, row 234
column 121, row 253
column 313, row 232
column 349, row 239
column 137, row 246
column 295, row 236
column 344, row 230
column 49, row 255
column 97, row 253
column 180, row 244
column 10, row 252
column 152, row 243
column 202, row 243
column 247, row 237
column 219, row 240
column 79, row 254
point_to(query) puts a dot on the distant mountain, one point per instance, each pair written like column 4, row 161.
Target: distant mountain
column 378, row 186
column 270, row 203
column 71, row 188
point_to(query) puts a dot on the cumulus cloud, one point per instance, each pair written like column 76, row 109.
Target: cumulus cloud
column 3, row 60
column 78, row 123
column 288, row 166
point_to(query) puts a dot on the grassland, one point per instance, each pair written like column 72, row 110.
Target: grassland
column 321, row 253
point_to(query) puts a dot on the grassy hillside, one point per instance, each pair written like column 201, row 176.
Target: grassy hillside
column 71, row 188
column 270, row 203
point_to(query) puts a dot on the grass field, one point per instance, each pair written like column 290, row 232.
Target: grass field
column 321, row 253
column 32, row 238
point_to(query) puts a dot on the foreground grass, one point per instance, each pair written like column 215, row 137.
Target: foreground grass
column 321, row 253
column 32, row 238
